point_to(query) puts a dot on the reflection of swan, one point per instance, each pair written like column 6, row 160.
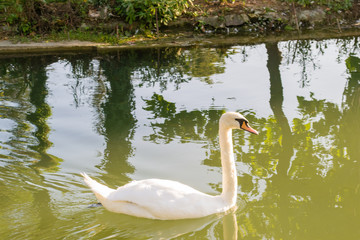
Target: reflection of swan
column 165, row 199
column 230, row 227
column 128, row 227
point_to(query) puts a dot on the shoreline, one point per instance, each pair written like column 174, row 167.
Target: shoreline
column 180, row 40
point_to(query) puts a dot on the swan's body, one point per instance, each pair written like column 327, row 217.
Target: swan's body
column 167, row 200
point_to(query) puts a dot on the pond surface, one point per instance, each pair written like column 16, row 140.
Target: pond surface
column 130, row 115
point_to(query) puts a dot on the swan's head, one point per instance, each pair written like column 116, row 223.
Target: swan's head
column 235, row 120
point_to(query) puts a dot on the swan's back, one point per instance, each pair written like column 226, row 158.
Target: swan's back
column 165, row 199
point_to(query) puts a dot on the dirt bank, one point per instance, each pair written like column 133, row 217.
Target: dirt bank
column 8, row 48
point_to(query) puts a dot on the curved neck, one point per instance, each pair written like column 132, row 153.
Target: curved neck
column 229, row 176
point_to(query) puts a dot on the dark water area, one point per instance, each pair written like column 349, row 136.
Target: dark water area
column 135, row 114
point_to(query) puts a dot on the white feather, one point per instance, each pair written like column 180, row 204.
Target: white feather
column 168, row 200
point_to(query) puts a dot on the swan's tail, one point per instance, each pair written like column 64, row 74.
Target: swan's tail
column 101, row 191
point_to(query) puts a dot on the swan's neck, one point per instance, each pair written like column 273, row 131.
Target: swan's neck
column 229, row 176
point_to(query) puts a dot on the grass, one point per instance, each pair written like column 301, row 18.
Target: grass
column 80, row 35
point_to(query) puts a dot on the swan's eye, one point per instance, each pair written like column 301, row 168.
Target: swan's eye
column 243, row 123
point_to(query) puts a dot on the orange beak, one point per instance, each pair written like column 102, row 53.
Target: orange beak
column 246, row 127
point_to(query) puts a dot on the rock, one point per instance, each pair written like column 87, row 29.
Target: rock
column 94, row 14
column 273, row 16
column 245, row 17
column 181, row 23
column 234, row 20
column 213, row 21
column 357, row 23
column 253, row 16
column 99, row 14
column 231, row 20
column 314, row 16
column 104, row 13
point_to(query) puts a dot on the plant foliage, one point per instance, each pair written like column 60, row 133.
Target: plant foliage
column 145, row 11
column 41, row 16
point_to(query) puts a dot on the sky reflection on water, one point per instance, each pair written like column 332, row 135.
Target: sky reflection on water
column 131, row 115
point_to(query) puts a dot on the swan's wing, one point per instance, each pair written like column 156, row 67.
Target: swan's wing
column 153, row 189
column 167, row 199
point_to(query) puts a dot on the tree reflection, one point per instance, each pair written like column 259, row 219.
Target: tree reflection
column 156, row 65
column 348, row 132
column 26, row 78
column 159, row 107
column 36, row 76
column 303, row 52
column 276, row 102
column 205, row 62
column 82, row 67
column 119, row 122
column 194, row 125
column 23, row 87
column 285, row 149
column 351, row 107
column 306, row 54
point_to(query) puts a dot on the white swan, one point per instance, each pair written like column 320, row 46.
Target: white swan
column 170, row 200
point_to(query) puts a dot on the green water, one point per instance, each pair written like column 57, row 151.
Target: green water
column 154, row 113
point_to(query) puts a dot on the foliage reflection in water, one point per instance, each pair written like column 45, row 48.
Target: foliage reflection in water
column 131, row 115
